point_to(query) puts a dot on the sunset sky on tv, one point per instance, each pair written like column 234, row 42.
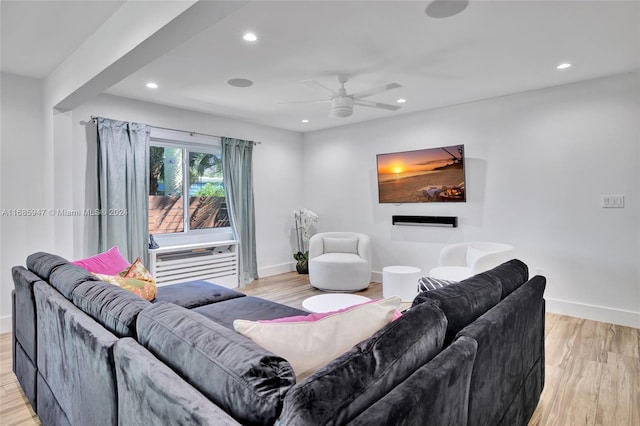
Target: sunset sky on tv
column 414, row 161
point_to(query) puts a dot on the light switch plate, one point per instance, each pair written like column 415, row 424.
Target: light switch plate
column 613, row 201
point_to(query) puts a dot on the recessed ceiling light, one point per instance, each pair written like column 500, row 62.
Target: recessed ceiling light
column 305, row 121
column 564, row 66
column 250, row 37
column 401, row 100
column 152, row 85
column 240, row 82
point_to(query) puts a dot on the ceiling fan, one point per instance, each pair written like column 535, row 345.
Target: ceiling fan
column 342, row 103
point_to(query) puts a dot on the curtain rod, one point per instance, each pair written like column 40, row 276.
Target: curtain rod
column 94, row 118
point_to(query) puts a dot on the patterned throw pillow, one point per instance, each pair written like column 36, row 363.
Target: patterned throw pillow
column 136, row 279
column 428, row 284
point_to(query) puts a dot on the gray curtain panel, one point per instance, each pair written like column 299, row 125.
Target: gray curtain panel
column 238, row 181
column 123, row 169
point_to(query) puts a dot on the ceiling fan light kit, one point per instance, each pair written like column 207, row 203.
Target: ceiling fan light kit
column 342, row 103
column 341, row 106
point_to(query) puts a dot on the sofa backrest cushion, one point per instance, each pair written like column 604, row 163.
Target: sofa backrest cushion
column 512, row 274
column 65, row 278
column 242, row 378
column 510, row 357
column 115, row 308
column 462, row 303
column 61, row 274
column 150, row 393
column 42, row 263
column 345, row 387
column 436, row 394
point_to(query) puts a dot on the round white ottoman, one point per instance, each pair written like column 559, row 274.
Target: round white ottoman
column 401, row 281
column 332, row 302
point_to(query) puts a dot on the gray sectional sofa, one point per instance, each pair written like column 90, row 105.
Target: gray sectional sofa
column 89, row 353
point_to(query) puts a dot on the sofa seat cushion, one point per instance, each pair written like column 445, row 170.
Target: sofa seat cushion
column 341, row 390
column 464, row 302
column 192, row 294
column 115, row 308
column 245, row 380
column 451, row 273
column 247, row 308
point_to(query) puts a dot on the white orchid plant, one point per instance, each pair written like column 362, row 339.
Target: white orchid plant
column 303, row 220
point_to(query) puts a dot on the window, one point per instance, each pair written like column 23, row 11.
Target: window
column 186, row 187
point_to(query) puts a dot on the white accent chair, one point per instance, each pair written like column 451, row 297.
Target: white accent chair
column 340, row 261
column 463, row 260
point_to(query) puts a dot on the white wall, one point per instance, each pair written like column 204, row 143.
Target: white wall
column 22, row 182
column 66, row 179
column 277, row 171
column 537, row 166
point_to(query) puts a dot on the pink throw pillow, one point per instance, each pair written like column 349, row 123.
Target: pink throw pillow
column 318, row 316
column 110, row 262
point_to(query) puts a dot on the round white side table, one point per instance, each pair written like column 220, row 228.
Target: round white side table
column 332, row 302
column 401, row 281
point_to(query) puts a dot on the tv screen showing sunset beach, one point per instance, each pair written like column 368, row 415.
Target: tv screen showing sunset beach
column 423, row 176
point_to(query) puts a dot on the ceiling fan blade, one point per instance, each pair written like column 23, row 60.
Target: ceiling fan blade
column 375, row 104
column 316, row 85
column 370, row 92
column 313, row 101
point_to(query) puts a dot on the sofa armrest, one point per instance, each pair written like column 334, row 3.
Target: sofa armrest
column 316, row 246
column 453, row 255
column 489, row 260
column 364, row 247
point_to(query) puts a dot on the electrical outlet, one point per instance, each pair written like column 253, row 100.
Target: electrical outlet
column 613, row 201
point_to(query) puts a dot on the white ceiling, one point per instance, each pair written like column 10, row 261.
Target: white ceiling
column 493, row 48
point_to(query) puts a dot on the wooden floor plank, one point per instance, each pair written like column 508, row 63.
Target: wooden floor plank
column 619, row 393
column 592, row 369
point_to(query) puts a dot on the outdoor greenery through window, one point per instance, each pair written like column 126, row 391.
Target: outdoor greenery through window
column 186, row 189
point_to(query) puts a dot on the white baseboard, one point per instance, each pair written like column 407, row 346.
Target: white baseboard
column 595, row 313
column 282, row 268
column 376, row 277
column 5, row 324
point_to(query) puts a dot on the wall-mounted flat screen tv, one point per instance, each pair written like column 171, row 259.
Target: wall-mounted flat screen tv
column 422, row 176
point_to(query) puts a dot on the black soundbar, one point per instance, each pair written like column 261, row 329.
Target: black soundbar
column 425, row 220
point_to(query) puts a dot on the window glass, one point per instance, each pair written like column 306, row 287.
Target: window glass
column 186, row 190
column 207, row 203
column 166, row 203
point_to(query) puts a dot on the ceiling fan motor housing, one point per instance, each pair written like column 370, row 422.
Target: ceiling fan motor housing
column 341, row 106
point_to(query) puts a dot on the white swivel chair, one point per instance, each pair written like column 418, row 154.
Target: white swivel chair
column 463, row 260
column 340, row 261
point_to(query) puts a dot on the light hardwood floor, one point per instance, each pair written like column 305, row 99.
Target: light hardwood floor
column 592, row 368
